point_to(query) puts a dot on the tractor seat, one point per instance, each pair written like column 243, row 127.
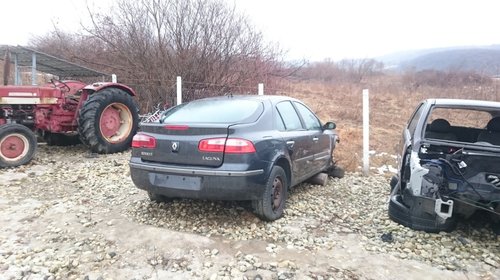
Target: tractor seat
column 440, row 129
column 492, row 133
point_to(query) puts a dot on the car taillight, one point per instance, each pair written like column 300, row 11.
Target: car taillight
column 214, row 145
column 239, row 146
column 230, row 145
column 143, row 141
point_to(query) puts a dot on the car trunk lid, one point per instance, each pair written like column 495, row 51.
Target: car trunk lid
column 196, row 133
column 178, row 143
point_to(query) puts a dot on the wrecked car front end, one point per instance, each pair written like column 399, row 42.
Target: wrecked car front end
column 450, row 174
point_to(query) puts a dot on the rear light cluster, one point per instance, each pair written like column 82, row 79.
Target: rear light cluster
column 141, row 140
column 212, row 145
column 229, row 145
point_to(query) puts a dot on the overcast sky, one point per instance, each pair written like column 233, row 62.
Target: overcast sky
column 310, row 29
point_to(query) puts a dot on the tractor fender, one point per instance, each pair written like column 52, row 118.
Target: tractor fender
column 99, row 86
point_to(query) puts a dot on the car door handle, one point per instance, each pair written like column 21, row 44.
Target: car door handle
column 290, row 143
column 315, row 139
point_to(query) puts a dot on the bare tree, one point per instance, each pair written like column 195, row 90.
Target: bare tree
column 358, row 69
column 150, row 42
column 347, row 71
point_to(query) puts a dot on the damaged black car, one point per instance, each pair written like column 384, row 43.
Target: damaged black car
column 449, row 166
column 243, row 148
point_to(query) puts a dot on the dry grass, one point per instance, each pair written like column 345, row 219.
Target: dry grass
column 391, row 105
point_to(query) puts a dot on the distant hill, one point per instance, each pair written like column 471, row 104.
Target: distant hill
column 483, row 60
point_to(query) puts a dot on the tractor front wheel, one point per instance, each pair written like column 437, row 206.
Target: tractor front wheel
column 108, row 120
column 17, row 145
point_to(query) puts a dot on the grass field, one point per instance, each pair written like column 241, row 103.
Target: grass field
column 391, row 104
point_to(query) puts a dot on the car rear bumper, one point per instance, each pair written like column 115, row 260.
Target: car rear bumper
column 416, row 218
column 198, row 183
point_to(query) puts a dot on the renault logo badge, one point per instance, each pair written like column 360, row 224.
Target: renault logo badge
column 175, row 146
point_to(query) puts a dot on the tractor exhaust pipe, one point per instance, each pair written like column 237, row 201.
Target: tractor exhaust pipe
column 6, row 68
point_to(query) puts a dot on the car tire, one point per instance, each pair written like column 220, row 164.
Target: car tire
column 272, row 204
column 158, row 197
column 336, row 172
column 394, row 182
column 402, row 214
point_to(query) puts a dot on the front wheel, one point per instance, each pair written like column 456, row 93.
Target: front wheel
column 17, row 145
column 108, row 120
column 336, row 172
column 272, row 204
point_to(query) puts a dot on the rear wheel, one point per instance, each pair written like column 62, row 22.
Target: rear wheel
column 108, row 120
column 272, row 204
column 17, row 145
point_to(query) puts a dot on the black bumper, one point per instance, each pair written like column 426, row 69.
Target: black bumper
column 212, row 184
column 415, row 217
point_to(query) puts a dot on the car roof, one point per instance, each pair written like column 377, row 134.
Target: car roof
column 463, row 102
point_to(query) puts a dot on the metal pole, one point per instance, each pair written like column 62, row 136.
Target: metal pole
column 366, row 133
column 261, row 89
column 33, row 69
column 179, row 90
column 16, row 71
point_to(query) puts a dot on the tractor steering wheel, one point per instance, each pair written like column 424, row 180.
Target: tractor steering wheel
column 56, row 82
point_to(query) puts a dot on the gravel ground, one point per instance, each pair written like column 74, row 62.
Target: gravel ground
column 74, row 215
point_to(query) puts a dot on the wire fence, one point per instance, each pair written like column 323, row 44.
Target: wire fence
column 150, row 94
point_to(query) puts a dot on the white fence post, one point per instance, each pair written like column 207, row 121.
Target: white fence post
column 113, row 78
column 261, row 89
column 179, row 90
column 366, row 133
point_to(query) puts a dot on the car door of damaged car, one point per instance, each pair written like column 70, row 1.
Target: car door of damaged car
column 320, row 141
column 297, row 139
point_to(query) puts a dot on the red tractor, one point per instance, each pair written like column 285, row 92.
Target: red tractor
column 103, row 116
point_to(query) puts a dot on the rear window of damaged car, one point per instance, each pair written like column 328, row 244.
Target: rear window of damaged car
column 463, row 117
column 216, row 111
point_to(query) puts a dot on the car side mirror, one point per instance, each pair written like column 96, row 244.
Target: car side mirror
column 329, row 125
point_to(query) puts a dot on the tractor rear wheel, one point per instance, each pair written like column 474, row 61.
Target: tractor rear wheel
column 108, row 120
column 17, row 145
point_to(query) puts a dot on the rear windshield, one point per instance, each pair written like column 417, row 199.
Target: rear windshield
column 474, row 125
column 215, row 111
column 461, row 117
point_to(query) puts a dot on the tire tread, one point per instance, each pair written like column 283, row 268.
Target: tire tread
column 88, row 120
